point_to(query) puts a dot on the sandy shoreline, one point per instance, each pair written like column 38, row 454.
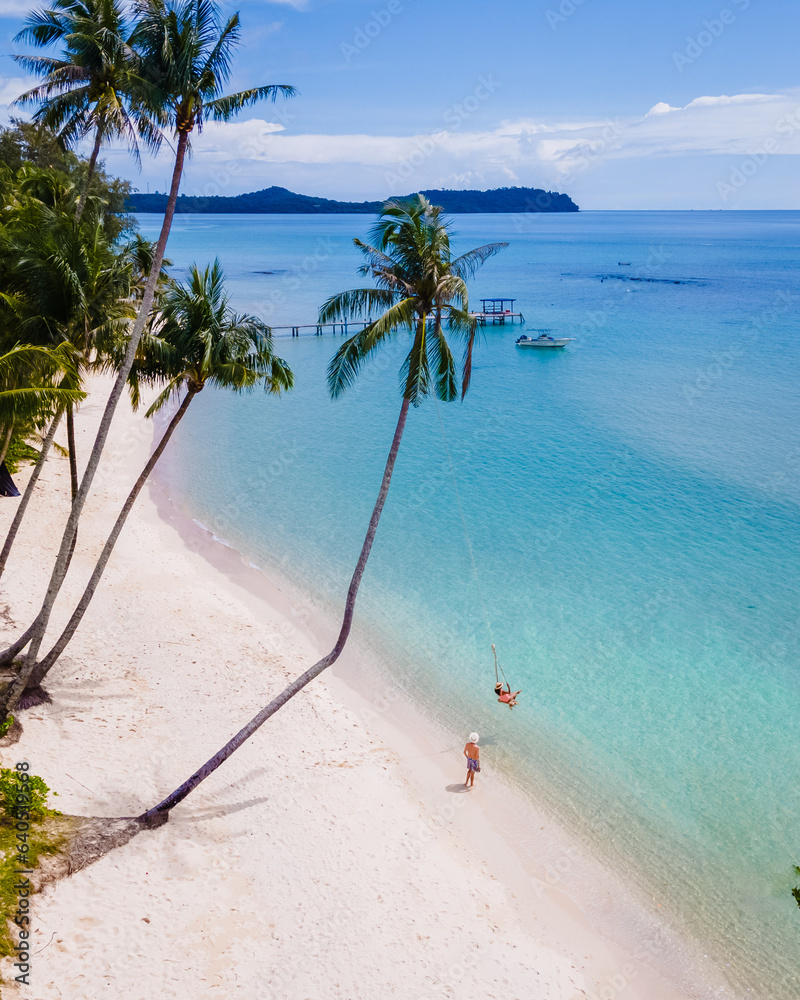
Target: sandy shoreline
column 331, row 857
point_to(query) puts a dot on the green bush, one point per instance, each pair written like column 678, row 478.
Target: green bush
column 11, row 785
column 19, row 452
column 25, row 821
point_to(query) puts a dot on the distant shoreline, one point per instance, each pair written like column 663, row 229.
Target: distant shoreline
column 280, row 201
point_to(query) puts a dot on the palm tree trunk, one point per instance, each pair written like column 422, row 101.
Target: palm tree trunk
column 72, row 453
column 160, row 814
column 98, row 139
column 7, row 432
column 26, row 496
column 73, row 457
column 41, row 669
column 59, row 570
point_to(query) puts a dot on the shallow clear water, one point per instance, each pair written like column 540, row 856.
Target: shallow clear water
column 633, row 506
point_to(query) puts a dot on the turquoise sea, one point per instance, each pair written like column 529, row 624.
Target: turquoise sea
column 634, row 506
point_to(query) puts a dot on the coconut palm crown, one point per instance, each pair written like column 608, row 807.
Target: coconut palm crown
column 94, row 85
column 417, row 279
column 200, row 340
column 186, row 55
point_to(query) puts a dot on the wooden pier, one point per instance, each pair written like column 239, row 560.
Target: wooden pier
column 498, row 311
column 319, row 328
column 492, row 311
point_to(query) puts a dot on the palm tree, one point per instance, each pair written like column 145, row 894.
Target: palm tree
column 29, row 397
column 27, row 392
column 185, row 56
column 94, row 86
column 418, row 281
column 200, row 341
column 67, row 282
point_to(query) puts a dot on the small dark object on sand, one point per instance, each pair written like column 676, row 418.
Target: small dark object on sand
column 7, row 487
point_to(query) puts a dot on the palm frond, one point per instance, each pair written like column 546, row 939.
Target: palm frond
column 354, row 304
column 415, row 371
column 468, row 263
column 172, row 389
column 408, row 256
column 441, row 357
column 346, row 363
column 224, row 108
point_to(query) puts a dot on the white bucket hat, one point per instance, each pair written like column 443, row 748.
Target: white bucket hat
column 473, row 737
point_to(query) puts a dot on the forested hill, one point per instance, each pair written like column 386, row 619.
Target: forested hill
column 279, row 201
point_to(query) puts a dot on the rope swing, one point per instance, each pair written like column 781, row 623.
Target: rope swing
column 498, row 669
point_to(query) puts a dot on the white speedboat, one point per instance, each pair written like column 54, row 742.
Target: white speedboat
column 543, row 340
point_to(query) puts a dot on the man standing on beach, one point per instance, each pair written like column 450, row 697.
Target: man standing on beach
column 473, row 755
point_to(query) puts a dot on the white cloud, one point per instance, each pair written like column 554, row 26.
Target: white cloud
column 710, row 102
column 707, row 125
column 662, row 108
column 582, row 157
column 10, row 89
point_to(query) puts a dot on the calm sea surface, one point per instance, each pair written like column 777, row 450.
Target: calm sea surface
column 634, row 506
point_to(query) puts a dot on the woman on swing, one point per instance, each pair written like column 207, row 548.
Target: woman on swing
column 505, row 694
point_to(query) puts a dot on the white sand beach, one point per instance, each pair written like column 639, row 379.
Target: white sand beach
column 327, row 859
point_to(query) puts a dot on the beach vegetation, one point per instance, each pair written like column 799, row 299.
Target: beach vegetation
column 420, row 292
column 35, row 382
column 66, row 282
column 93, row 85
column 184, row 57
column 35, row 788
column 67, row 286
column 46, row 257
column 19, row 452
column 197, row 340
column 31, row 145
column 796, row 890
column 32, row 827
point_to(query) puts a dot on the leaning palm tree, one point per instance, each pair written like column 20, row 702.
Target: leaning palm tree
column 66, row 283
column 419, row 286
column 200, row 341
column 93, row 87
column 185, row 54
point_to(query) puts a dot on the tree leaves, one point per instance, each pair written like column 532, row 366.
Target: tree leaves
column 408, row 255
column 201, row 340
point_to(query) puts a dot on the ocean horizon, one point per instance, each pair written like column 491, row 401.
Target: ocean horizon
column 632, row 506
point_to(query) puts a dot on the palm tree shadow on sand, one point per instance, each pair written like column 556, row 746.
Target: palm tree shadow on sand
column 82, row 840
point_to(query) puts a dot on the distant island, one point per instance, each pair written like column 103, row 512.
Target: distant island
column 279, row 201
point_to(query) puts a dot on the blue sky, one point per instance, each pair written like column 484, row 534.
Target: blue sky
column 623, row 104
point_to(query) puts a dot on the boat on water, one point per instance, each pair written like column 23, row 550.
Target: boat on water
column 543, row 340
